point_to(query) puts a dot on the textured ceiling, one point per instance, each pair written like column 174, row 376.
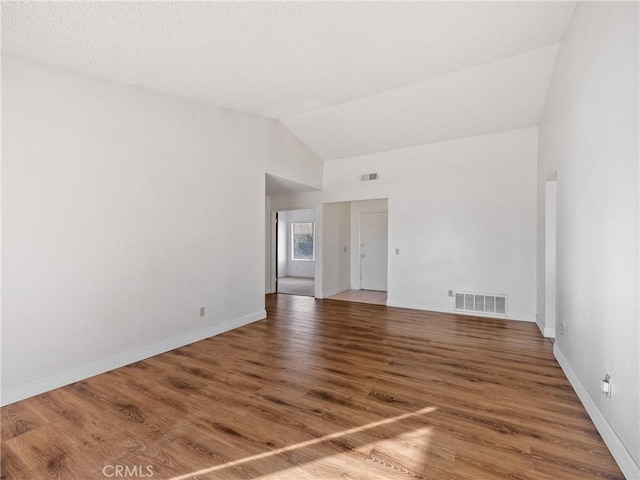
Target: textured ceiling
column 315, row 64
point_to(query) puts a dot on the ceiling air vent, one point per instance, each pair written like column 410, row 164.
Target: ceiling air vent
column 368, row 176
column 480, row 303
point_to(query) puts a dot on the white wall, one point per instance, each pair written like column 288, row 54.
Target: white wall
column 283, row 244
column 462, row 213
column 358, row 207
column 337, row 238
column 589, row 135
column 124, row 212
column 288, row 158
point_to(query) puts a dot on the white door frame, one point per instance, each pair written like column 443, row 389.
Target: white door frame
column 550, row 238
column 274, row 248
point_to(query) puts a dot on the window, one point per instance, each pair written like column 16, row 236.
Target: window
column 302, row 236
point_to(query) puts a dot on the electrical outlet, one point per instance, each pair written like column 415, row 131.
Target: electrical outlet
column 397, row 251
column 202, row 311
column 451, row 293
column 561, row 328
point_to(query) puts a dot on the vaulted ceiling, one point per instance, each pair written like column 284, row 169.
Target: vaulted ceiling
column 347, row 78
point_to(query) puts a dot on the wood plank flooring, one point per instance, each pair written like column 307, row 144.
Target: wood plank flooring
column 321, row 389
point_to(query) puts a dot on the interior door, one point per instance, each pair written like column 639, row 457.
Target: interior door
column 373, row 251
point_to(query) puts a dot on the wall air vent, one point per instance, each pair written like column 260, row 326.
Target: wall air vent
column 368, row 176
column 480, row 303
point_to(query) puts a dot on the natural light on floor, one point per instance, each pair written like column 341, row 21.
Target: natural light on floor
column 422, row 433
column 417, row 441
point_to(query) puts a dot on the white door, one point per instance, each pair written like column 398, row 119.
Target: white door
column 373, row 251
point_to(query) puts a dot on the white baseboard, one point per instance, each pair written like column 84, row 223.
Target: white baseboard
column 36, row 387
column 546, row 332
column 621, row 455
column 445, row 308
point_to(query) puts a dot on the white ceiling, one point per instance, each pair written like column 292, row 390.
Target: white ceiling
column 347, row 78
column 493, row 97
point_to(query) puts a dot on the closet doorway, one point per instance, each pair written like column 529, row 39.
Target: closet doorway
column 295, row 252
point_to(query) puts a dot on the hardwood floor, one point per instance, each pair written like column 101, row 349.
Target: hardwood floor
column 322, row 389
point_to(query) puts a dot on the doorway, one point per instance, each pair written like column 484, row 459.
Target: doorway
column 374, row 237
column 550, row 228
column 373, row 251
column 295, row 252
